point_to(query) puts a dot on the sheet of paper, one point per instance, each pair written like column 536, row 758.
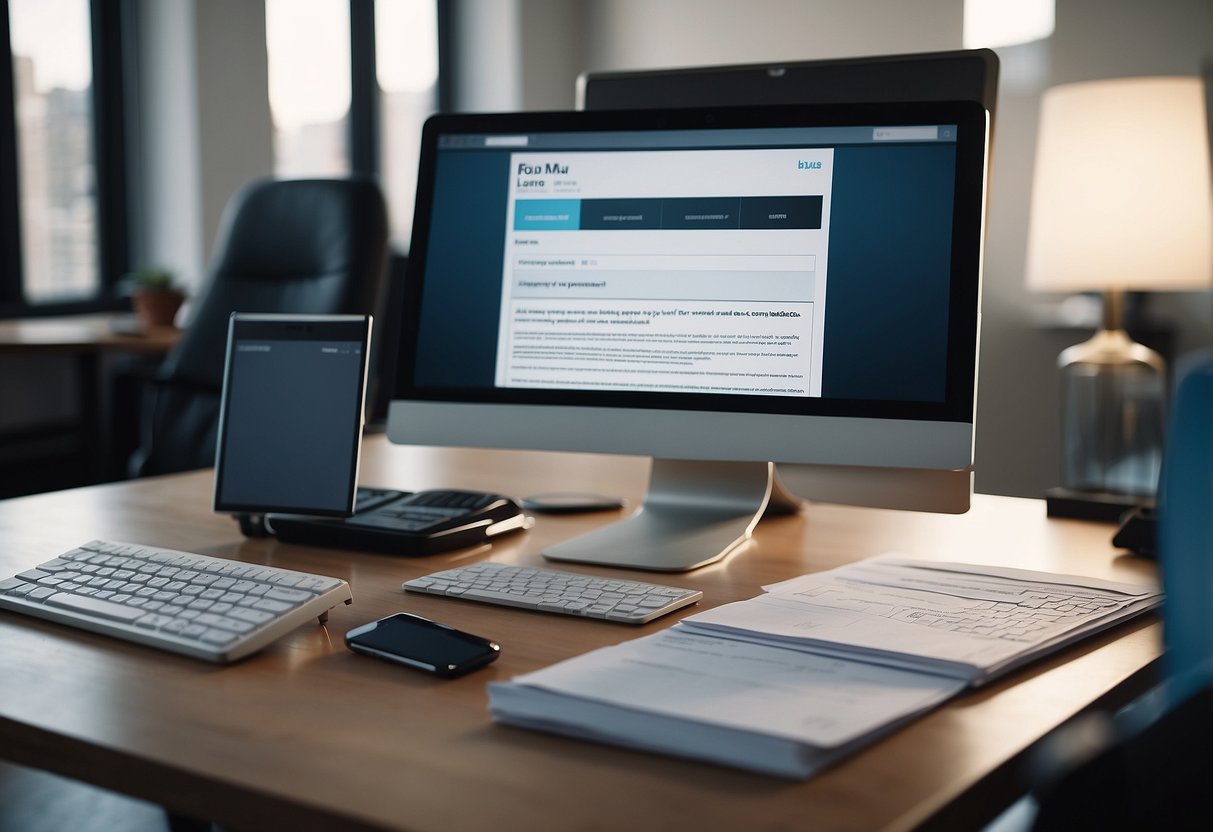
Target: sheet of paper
column 811, row 699
column 896, row 570
column 954, row 613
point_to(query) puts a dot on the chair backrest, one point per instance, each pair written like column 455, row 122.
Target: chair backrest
column 305, row 246
column 1150, row 765
column 1185, row 544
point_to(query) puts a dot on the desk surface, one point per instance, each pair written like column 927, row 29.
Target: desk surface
column 307, row 735
column 84, row 333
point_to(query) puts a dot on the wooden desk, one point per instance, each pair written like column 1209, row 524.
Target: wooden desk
column 307, row 735
column 87, row 338
column 84, row 334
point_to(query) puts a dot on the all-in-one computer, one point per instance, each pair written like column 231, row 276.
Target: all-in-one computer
column 720, row 289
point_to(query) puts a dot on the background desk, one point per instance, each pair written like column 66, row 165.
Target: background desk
column 87, row 339
column 84, row 334
column 310, row 736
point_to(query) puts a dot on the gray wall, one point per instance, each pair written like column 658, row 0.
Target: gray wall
column 202, row 124
column 1017, row 422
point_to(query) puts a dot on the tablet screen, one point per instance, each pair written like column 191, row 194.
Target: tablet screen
column 292, row 414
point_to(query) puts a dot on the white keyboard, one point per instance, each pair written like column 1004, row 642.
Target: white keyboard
column 209, row 608
column 549, row 590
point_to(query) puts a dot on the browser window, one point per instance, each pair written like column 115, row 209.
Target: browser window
column 688, row 270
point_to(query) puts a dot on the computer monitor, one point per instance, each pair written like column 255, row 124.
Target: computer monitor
column 720, row 289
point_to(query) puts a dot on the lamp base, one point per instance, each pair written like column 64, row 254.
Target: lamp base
column 1091, row 505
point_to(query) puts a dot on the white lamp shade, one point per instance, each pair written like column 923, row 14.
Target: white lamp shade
column 1121, row 197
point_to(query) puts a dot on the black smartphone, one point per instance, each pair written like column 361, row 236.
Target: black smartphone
column 417, row 642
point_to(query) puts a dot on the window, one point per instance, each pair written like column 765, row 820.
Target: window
column 406, row 58
column 62, row 211
column 52, row 88
column 351, row 82
column 308, row 47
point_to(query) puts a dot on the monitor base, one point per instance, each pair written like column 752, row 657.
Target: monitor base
column 694, row 514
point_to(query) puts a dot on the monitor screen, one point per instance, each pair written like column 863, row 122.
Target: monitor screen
column 795, row 284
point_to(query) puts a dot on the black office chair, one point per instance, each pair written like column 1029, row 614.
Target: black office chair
column 1150, row 765
column 305, row 246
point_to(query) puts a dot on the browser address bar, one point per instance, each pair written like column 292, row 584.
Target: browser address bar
column 894, row 134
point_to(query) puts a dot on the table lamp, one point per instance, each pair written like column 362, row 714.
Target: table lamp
column 1120, row 202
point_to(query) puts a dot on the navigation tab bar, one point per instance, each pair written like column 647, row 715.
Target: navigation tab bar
column 673, row 213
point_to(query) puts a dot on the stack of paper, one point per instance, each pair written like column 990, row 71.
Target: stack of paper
column 767, row 709
column 797, row 678
column 971, row 622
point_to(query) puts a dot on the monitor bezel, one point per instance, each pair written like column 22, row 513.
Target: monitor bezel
column 971, row 120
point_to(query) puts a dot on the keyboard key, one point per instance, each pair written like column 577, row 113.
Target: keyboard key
column 96, row 606
column 293, row 596
column 254, row 616
column 512, row 599
column 153, row 620
column 218, row 637
column 233, row 625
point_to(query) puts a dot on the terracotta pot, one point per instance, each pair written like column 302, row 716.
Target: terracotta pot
column 157, row 307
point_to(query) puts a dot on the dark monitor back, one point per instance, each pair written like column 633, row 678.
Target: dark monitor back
column 962, row 75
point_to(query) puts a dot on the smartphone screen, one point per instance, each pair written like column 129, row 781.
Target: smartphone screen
column 291, row 417
column 418, row 642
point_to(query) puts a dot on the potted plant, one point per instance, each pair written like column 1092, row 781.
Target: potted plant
column 154, row 296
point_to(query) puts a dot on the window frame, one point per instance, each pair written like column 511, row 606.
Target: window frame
column 108, row 30
column 365, row 148
column 364, row 115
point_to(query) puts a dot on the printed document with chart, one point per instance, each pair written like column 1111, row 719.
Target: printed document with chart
column 817, row 667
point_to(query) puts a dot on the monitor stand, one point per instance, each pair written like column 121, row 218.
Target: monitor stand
column 694, row 514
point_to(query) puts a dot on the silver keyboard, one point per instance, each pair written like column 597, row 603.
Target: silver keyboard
column 209, row 608
column 549, row 590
